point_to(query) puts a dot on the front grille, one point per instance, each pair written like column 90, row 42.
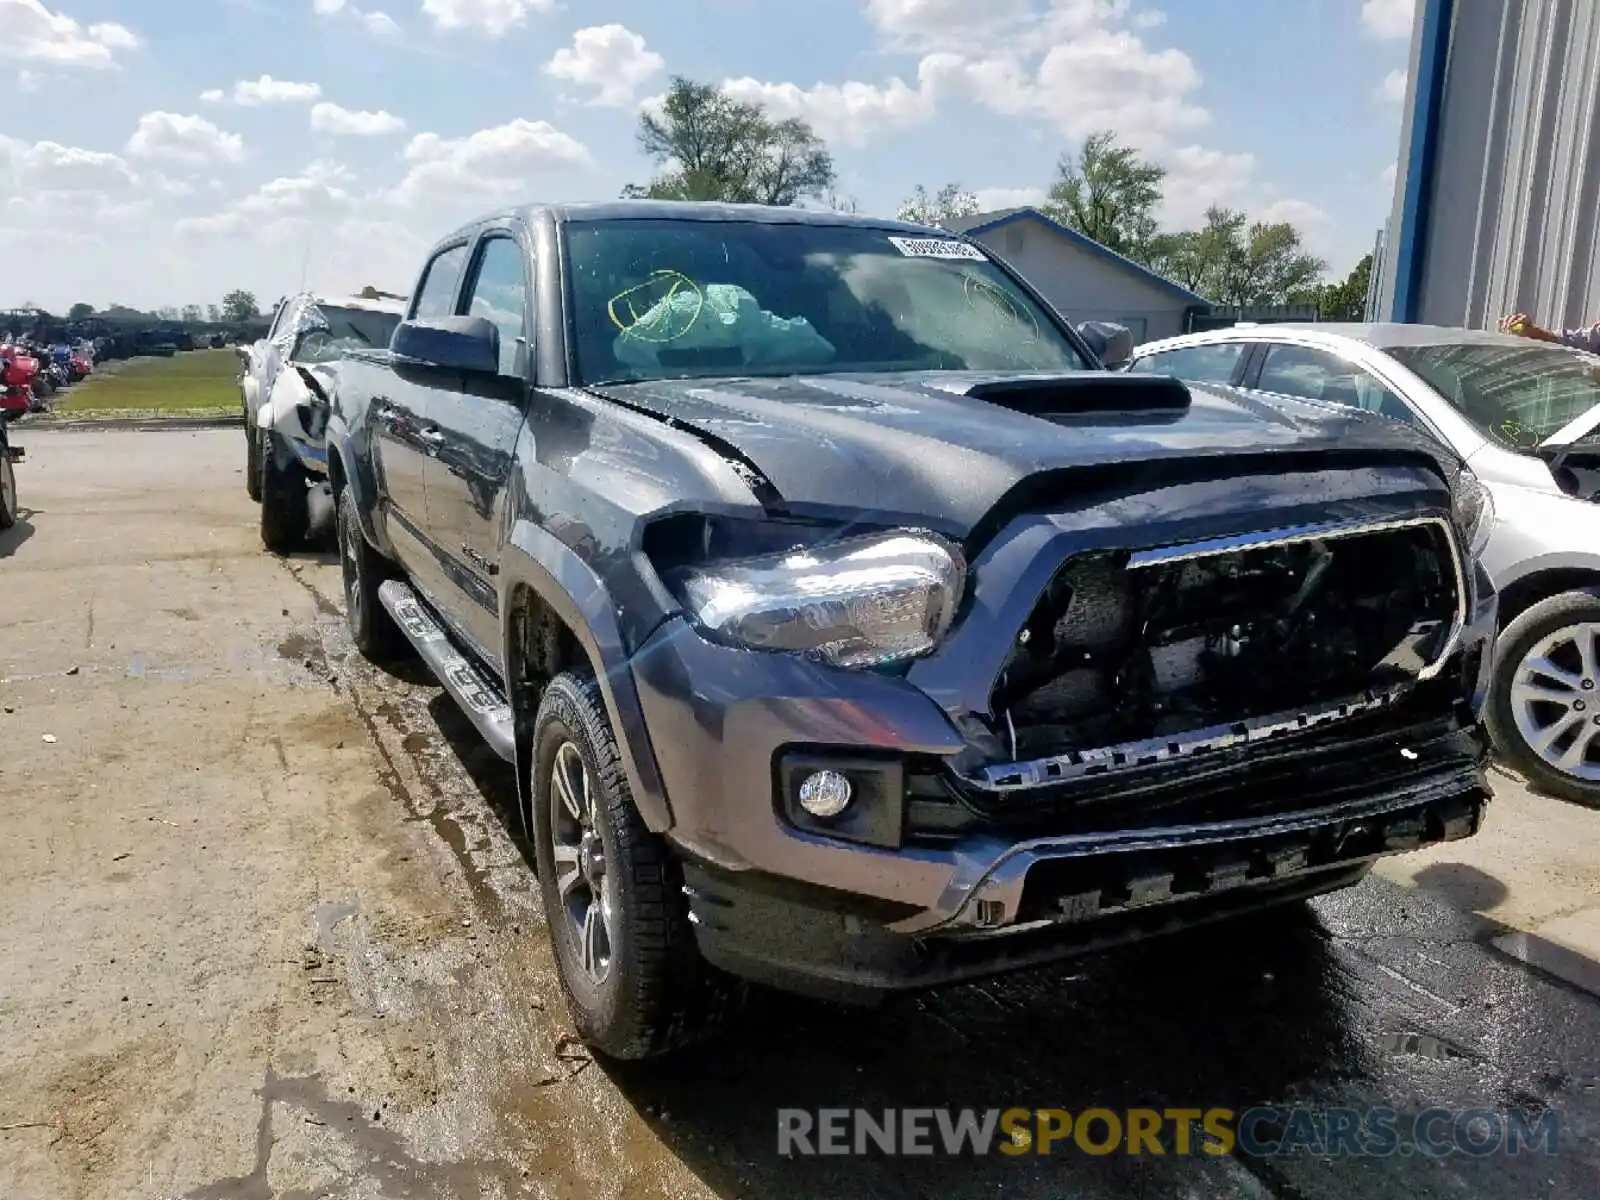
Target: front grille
column 1136, row 658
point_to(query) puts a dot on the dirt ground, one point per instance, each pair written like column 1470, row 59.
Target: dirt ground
column 267, row 930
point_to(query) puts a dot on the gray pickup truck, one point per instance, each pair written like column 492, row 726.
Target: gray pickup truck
column 852, row 629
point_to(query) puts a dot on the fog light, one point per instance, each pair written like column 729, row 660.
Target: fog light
column 825, row 794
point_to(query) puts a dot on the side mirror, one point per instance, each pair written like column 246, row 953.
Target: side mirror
column 467, row 344
column 1112, row 344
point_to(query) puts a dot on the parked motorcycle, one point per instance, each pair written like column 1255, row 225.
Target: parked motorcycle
column 17, row 374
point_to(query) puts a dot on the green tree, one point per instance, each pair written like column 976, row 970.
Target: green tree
column 80, row 311
column 1110, row 194
column 950, row 201
column 1232, row 260
column 239, row 305
column 1345, row 301
column 711, row 146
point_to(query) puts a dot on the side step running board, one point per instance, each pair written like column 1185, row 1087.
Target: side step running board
column 468, row 686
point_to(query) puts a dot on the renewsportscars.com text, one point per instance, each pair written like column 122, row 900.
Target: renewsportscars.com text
column 1263, row 1131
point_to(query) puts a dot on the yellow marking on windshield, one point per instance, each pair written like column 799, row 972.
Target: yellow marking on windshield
column 998, row 305
column 657, row 319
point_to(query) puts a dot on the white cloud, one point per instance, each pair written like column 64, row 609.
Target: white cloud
column 52, row 167
column 992, row 199
column 504, row 160
column 611, row 61
column 1199, row 177
column 380, row 24
column 1393, row 87
column 113, row 36
column 28, row 81
column 1072, row 69
column 29, row 30
column 936, row 24
column 852, row 113
column 213, row 96
column 492, row 17
column 374, row 21
column 1389, row 18
column 253, row 93
column 331, row 118
column 183, row 139
column 277, row 209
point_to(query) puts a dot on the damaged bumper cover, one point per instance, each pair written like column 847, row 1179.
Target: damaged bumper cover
column 953, row 867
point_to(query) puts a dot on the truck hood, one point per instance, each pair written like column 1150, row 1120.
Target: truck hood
column 923, row 446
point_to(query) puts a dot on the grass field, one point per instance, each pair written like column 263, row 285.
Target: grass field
column 195, row 381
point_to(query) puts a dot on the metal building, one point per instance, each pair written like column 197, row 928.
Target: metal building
column 1497, row 190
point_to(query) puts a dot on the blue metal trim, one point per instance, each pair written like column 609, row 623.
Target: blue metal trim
column 1427, row 104
column 1088, row 243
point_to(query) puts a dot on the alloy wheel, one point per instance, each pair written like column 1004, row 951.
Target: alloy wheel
column 582, row 878
column 1555, row 700
column 350, row 563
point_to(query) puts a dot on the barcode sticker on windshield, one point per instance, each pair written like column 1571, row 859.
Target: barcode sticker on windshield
column 936, row 248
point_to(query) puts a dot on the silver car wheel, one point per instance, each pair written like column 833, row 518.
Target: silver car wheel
column 582, row 879
column 1555, row 700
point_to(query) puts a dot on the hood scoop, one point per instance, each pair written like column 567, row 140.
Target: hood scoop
column 1087, row 394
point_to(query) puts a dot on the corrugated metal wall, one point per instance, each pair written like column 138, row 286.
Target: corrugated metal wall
column 1497, row 200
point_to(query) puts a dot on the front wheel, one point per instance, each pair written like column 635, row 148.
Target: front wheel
column 633, row 978
column 8, row 491
column 371, row 628
column 252, row 460
column 285, row 502
column 1544, row 700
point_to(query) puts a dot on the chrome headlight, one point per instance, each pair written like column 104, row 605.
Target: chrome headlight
column 1474, row 512
column 862, row 602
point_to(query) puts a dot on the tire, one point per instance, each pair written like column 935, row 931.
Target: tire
column 371, row 627
column 285, row 505
column 8, row 491
column 1553, row 631
column 652, row 993
column 252, row 460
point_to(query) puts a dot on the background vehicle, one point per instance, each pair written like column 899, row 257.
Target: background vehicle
column 852, row 630
column 1524, row 415
column 291, row 419
column 18, row 374
column 9, row 456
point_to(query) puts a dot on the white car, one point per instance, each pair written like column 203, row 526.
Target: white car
column 286, row 409
column 1523, row 415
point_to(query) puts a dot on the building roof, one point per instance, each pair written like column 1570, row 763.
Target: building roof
column 984, row 222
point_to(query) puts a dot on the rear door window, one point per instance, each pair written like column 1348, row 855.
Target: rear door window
column 1321, row 375
column 500, row 295
column 437, row 295
column 1215, row 362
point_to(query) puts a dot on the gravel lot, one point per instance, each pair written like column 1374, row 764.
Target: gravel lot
column 267, row 930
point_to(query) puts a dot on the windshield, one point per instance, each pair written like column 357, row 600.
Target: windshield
column 1518, row 395
column 341, row 330
column 664, row 299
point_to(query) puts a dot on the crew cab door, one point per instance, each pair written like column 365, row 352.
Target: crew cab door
column 403, row 434
column 480, row 420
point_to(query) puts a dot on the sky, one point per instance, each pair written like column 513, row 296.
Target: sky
column 164, row 152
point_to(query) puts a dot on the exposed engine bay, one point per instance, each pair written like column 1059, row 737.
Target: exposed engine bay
column 1124, row 648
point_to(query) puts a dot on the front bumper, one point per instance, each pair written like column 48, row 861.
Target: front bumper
column 911, row 903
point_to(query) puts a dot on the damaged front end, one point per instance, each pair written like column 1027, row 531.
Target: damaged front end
column 1197, row 720
column 1131, row 659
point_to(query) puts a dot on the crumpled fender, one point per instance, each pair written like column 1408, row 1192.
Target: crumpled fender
column 300, row 416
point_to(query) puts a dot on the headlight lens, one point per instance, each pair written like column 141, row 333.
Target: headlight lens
column 1474, row 512
column 862, row 602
